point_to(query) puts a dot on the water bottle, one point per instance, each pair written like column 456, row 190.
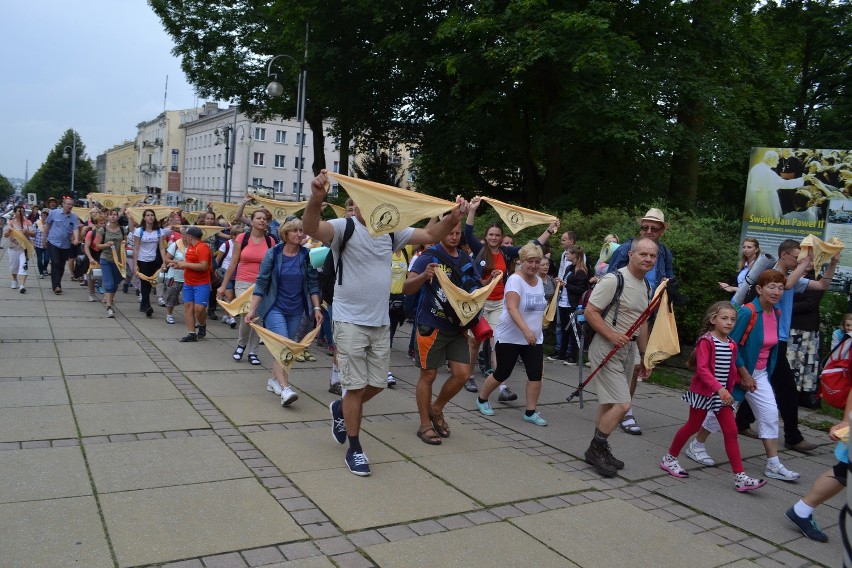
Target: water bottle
column 581, row 318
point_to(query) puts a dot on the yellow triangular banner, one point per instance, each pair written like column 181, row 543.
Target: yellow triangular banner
column 240, row 305
column 466, row 304
column 160, row 212
column 206, row 230
column 386, row 209
column 550, row 312
column 191, row 216
column 663, row 342
column 280, row 209
column 517, row 218
column 229, row 210
column 150, row 279
column 282, row 349
column 25, row 242
column 121, row 253
column 338, row 210
column 110, row 200
column 82, row 213
column 823, row 250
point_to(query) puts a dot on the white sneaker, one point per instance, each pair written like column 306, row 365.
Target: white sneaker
column 161, row 301
column 92, row 298
column 273, row 386
column 780, row 472
column 288, row 396
column 698, row 455
column 170, row 318
column 110, row 313
column 14, row 285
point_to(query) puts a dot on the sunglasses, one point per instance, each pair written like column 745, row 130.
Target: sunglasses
column 649, row 228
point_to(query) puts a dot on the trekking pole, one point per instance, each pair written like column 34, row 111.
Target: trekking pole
column 652, row 306
column 577, row 321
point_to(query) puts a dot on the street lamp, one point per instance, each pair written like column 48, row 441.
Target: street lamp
column 223, row 133
column 275, row 89
column 73, row 150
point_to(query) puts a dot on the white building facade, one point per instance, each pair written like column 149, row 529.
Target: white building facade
column 159, row 155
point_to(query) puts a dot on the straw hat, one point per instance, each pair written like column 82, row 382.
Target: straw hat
column 655, row 215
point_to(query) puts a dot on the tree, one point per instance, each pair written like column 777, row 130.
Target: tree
column 377, row 166
column 6, row 187
column 53, row 178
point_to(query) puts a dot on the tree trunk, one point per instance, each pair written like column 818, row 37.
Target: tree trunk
column 314, row 120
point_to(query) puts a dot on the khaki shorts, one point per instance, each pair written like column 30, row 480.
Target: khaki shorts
column 437, row 347
column 612, row 383
column 491, row 311
column 363, row 354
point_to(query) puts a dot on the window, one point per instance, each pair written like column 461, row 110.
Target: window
column 336, row 167
column 260, row 134
column 280, row 136
column 299, row 137
column 278, row 186
column 256, row 182
column 279, row 160
column 411, row 176
column 296, row 163
column 258, row 158
column 412, row 152
column 296, row 186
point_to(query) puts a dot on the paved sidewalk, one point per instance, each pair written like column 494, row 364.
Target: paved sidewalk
column 122, row 447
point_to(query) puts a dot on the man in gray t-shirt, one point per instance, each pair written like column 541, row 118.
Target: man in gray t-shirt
column 360, row 315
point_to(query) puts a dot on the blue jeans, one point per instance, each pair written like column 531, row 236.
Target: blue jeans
column 110, row 276
column 325, row 328
column 285, row 325
column 42, row 258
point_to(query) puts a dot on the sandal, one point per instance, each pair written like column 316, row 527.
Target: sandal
column 309, row 356
column 238, row 353
column 423, row 434
column 630, row 426
column 253, row 359
column 439, row 423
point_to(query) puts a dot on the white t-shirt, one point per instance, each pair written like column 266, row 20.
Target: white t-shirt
column 362, row 299
column 149, row 242
column 176, row 273
column 532, row 307
column 226, row 261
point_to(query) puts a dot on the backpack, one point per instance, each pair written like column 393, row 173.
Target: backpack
column 269, row 241
column 464, row 275
column 332, row 267
column 588, row 331
column 835, row 379
column 739, row 393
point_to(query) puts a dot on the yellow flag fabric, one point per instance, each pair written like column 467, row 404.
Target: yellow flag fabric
column 282, row 349
column 823, row 250
column 206, row 230
column 151, row 279
column 550, row 312
column 22, row 240
column 280, row 209
column 386, row 209
column 517, row 218
column 110, row 200
column 82, row 213
column 338, row 210
column 122, row 259
column 663, row 342
column 239, row 306
column 191, row 216
column 466, row 304
column 229, row 210
column 160, row 212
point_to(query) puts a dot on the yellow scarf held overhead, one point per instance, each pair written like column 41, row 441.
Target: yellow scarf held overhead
column 280, row 209
column 82, row 213
column 239, row 306
column 160, row 212
column 282, row 349
column 466, row 304
column 663, row 342
column 206, row 230
column 386, row 209
column 823, row 250
column 229, row 210
column 550, row 312
column 110, row 200
column 517, row 218
column 191, row 216
column 22, row 240
column 338, row 210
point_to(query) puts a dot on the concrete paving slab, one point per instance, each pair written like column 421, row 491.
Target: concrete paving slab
column 43, row 473
column 107, row 347
column 211, row 358
column 311, row 449
column 30, row 367
column 24, row 321
column 121, row 389
column 402, row 436
column 170, row 523
column 33, row 393
column 615, row 533
column 14, row 307
column 162, row 463
column 137, row 416
column 106, row 364
column 40, row 533
column 375, row 500
column 25, row 350
column 506, row 468
column 266, row 408
column 312, row 562
column 94, row 318
column 89, row 333
column 36, row 423
column 231, row 383
column 485, row 546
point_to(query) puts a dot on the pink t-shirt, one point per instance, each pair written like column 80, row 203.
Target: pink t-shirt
column 770, row 339
column 251, row 256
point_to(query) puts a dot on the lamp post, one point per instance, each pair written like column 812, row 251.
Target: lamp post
column 223, row 131
column 274, row 89
column 73, row 150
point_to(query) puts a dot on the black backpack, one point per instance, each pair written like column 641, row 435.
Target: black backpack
column 588, row 331
column 332, row 269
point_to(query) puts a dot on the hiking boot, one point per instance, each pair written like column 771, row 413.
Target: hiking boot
column 596, row 456
column 611, row 459
column 470, row 385
column 506, row 395
column 202, row 331
column 189, row 337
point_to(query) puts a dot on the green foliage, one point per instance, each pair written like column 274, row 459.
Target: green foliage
column 831, row 310
column 53, row 178
column 6, row 187
column 376, row 166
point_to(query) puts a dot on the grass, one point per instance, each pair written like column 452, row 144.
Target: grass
column 671, row 377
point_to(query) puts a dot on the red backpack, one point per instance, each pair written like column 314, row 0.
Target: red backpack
column 835, row 380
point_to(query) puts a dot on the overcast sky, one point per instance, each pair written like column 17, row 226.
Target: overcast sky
column 97, row 66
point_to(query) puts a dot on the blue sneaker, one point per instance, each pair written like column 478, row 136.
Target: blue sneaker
column 535, row 419
column 358, row 463
column 338, row 427
column 484, row 407
column 807, row 525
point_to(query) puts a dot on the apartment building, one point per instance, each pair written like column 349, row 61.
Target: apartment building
column 159, row 150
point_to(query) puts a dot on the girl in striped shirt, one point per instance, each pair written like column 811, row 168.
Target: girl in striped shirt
column 714, row 361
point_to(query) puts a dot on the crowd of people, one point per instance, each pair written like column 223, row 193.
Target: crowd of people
column 742, row 364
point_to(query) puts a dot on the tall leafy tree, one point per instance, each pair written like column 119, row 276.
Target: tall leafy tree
column 53, row 178
column 6, row 187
